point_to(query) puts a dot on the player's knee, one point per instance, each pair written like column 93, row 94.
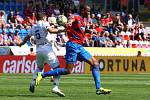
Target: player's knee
column 95, row 62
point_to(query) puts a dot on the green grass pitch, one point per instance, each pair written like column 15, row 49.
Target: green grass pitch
column 77, row 87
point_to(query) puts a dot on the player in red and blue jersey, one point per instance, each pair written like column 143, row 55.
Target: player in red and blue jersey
column 76, row 30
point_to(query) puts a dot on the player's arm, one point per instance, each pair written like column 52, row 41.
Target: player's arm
column 52, row 30
column 56, row 46
column 25, row 40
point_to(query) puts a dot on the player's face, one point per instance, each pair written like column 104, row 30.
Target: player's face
column 87, row 11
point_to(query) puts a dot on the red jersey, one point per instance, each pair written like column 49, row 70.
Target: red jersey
column 76, row 31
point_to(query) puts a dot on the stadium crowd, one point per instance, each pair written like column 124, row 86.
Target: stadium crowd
column 110, row 29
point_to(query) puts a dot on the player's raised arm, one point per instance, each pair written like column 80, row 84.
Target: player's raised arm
column 52, row 29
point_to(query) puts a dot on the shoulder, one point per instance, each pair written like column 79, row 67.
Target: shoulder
column 77, row 17
column 74, row 16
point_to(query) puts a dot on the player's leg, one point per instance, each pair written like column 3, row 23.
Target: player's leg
column 86, row 56
column 54, row 64
column 96, row 75
column 40, row 61
column 71, row 56
column 32, row 85
column 52, row 77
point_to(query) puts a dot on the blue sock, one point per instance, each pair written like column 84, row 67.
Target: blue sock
column 55, row 72
column 96, row 76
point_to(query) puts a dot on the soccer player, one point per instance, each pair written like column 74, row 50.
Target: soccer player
column 44, row 51
column 75, row 51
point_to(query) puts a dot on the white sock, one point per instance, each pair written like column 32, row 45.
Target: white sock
column 56, row 81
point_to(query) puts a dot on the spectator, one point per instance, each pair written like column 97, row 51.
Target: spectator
column 118, row 40
column 11, row 38
column 102, row 40
column 128, row 45
column 131, row 22
column 103, row 21
column 2, row 20
column 5, row 38
column 49, row 10
column 29, row 21
column 32, row 19
column 11, row 19
column 142, row 32
column 1, row 40
column 17, row 39
column 39, row 6
column 94, row 21
column 117, row 23
column 56, row 10
column 19, row 20
column 87, row 40
column 52, row 19
column 28, row 9
column 98, row 28
column 94, row 39
column 139, row 54
column 136, row 33
column 109, row 42
column 109, row 20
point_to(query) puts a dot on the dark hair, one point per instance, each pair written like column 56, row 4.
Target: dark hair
column 31, row 49
column 139, row 52
column 40, row 15
column 83, row 6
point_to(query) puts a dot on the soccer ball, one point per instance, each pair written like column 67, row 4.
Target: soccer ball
column 61, row 20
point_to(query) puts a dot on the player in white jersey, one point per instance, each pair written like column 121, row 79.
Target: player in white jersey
column 44, row 51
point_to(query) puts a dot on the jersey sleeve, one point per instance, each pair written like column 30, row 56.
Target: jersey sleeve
column 46, row 25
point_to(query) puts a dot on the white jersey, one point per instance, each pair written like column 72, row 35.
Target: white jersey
column 39, row 31
column 44, row 49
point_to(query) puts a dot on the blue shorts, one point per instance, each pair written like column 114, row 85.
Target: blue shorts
column 76, row 52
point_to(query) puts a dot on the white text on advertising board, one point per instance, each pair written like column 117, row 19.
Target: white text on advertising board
column 19, row 66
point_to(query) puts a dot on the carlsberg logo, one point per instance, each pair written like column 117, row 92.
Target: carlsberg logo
column 19, row 66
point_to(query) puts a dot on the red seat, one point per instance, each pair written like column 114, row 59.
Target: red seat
column 134, row 45
column 126, row 37
column 138, row 45
column 88, row 36
column 148, row 46
column 144, row 46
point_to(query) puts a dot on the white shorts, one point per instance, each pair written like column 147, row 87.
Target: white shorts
column 45, row 54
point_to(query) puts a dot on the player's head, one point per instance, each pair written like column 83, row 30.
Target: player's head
column 41, row 16
column 85, row 10
column 31, row 49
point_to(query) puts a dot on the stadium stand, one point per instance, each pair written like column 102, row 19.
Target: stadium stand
column 133, row 33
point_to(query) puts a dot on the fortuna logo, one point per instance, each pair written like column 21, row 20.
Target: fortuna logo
column 19, row 66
